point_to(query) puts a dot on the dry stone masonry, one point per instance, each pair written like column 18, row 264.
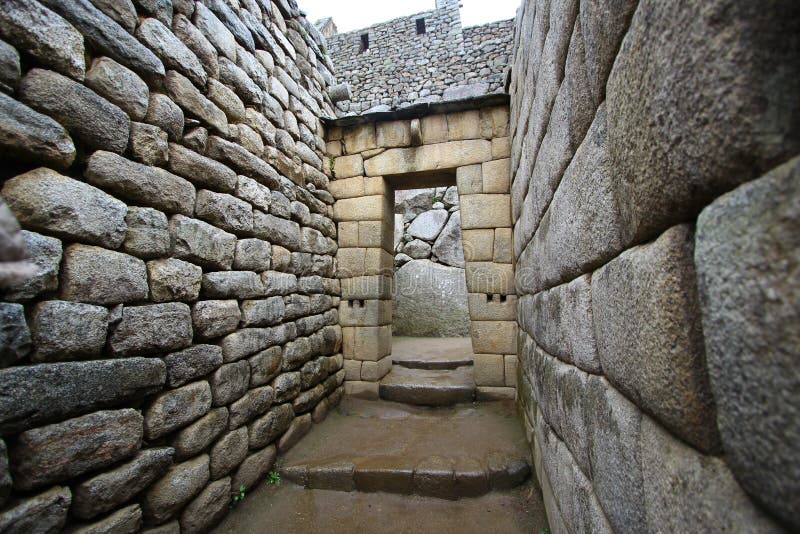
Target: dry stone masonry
column 371, row 160
column 169, row 320
column 426, row 57
column 655, row 238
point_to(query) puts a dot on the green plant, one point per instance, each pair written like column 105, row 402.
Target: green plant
column 545, row 530
column 238, row 497
column 274, row 478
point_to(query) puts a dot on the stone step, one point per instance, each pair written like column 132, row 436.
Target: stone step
column 426, row 387
column 378, row 446
column 432, row 353
column 290, row 508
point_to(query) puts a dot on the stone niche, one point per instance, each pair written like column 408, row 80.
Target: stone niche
column 375, row 160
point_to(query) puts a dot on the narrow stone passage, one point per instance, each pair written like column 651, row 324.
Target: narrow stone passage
column 435, row 463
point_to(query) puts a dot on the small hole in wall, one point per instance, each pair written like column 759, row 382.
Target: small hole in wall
column 489, row 297
column 503, row 298
column 364, row 42
column 421, row 26
column 361, row 303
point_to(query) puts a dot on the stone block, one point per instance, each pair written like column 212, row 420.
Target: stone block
column 61, row 451
column 228, row 452
column 252, row 255
column 359, row 138
column 503, row 246
column 348, row 166
column 96, row 122
column 193, row 102
column 224, row 211
column 268, row 428
column 196, row 437
column 429, row 157
column 9, row 67
column 202, row 171
column 639, row 299
column 464, row 125
column 392, row 134
column 254, row 468
column 488, row 277
column 164, row 113
column 149, row 186
column 489, row 370
column 152, row 328
column 126, row 520
column 483, row 307
column 368, row 208
column 174, row 279
column 176, row 408
column 434, row 129
column 501, row 147
column 208, row 508
column 469, row 179
column 45, row 255
column 45, row 512
column 233, row 284
column 5, row 475
column 712, row 498
column 375, row 234
column 277, row 231
column 265, row 366
column 448, row 246
column 100, row 276
column 367, row 313
column 15, row 336
column 286, row 386
column 495, row 393
column 202, row 243
column 352, row 369
column 148, row 144
column 171, row 50
column 253, row 192
column 656, row 127
column 367, row 288
column 30, row 136
column 494, row 337
column 375, row 371
column 68, row 331
column 497, row 176
column 181, row 483
column 347, row 188
column 485, row 211
column 429, row 224
column 495, row 122
column 247, row 341
column 300, row 426
column 188, row 364
column 370, row 343
column 264, row 312
column 47, row 201
column 44, row 35
column 148, row 233
column 52, row 392
column 252, row 404
column 478, row 244
column 119, row 85
column 229, row 382
column 215, row 318
column 561, row 320
column 105, row 492
column 511, row 363
column 746, row 258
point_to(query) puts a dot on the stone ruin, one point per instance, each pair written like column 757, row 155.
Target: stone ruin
column 197, row 248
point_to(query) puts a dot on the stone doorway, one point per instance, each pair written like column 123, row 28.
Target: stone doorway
column 371, row 160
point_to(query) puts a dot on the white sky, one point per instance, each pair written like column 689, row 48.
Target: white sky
column 356, row 14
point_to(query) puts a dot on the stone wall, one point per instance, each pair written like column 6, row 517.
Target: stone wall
column 372, row 159
column 165, row 162
column 402, row 67
column 656, row 211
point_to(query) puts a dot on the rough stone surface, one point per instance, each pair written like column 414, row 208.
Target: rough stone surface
column 176, row 408
column 99, row 276
column 224, row 211
column 31, row 136
column 170, row 50
column 747, row 259
column 15, row 336
column 191, row 363
column 208, row 508
column 68, row 331
column 229, row 382
column 448, row 246
column 196, row 437
column 268, row 428
column 164, row 113
column 430, row 299
column 45, row 255
column 181, row 90
column 214, row 318
column 64, row 450
column 174, row 279
column 202, row 243
column 152, row 328
column 175, row 489
column 150, row 186
column 148, row 233
column 44, row 393
column 45, row 512
column 43, row 34
column 47, row 201
column 127, row 520
column 200, row 170
column 90, row 118
column 106, row 491
column 148, row 144
column 120, row 86
column 228, row 452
